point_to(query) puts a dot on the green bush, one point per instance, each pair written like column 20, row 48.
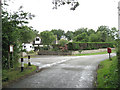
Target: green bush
column 56, row 47
column 76, row 46
column 31, row 51
column 45, row 47
column 70, row 46
column 63, row 42
column 88, row 45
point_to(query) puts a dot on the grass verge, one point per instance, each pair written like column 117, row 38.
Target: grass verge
column 94, row 53
column 107, row 74
column 9, row 76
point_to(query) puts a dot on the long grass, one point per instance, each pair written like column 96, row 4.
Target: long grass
column 107, row 74
column 15, row 73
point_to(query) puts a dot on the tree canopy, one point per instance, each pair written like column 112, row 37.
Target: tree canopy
column 47, row 37
column 58, row 32
column 14, row 32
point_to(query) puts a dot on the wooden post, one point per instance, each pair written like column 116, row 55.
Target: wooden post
column 22, row 64
column 8, row 60
column 109, row 57
column 29, row 64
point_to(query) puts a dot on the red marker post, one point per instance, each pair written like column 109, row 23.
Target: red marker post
column 109, row 51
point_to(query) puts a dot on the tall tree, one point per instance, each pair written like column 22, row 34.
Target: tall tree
column 114, row 33
column 105, row 31
column 69, row 35
column 58, row 32
column 47, row 37
column 80, row 31
column 90, row 31
column 81, row 38
column 95, row 37
column 27, row 34
column 11, row 23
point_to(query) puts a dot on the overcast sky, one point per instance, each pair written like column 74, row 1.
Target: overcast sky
column 90, row 14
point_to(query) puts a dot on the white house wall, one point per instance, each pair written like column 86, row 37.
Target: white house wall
column 28, row 47
column 37, row 42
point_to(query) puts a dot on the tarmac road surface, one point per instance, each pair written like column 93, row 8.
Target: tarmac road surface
column 63, row 72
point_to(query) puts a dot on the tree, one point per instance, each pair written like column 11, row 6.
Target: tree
column 90, row 31
column 69, row 35
column 11, row 23
column 95, row 37
column 47, row 37
column 80, row 31
column 58, row 32
column 62, row 42
column 107, row 35
column 114, row 33
column 105, row 31
column 81, row 38
column 27, row 34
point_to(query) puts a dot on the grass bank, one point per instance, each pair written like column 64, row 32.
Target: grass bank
column 107, row 74
column 94, row 53
column 14, row 74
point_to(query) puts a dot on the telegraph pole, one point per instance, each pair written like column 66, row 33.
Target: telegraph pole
column 118, row 53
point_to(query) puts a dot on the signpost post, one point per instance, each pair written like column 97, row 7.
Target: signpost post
column 109, row 51
column 11, row 51
column 22, row 65
column 29, row 64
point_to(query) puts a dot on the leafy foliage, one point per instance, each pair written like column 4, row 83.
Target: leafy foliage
column 81, row 37
column 69, row 35
column 58, row 32
column 27, row 34
column 47, row 37
column 62, row 42
column 14, row 33
column 88, row 45
column 103, row 34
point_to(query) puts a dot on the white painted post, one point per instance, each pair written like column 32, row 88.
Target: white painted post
column 22, row 65
column 29, row 64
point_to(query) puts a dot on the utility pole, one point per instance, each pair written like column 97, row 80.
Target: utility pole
column 118, row 53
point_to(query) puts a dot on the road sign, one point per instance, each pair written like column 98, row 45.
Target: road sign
column 11, row 48
column 109, row 50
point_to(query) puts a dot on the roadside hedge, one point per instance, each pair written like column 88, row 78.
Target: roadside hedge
column 88, row 45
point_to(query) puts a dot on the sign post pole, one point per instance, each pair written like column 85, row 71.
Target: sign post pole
column 109, row 56
column 22, row 65
column 11, row 52
column 109, row 51
column 29, row 64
